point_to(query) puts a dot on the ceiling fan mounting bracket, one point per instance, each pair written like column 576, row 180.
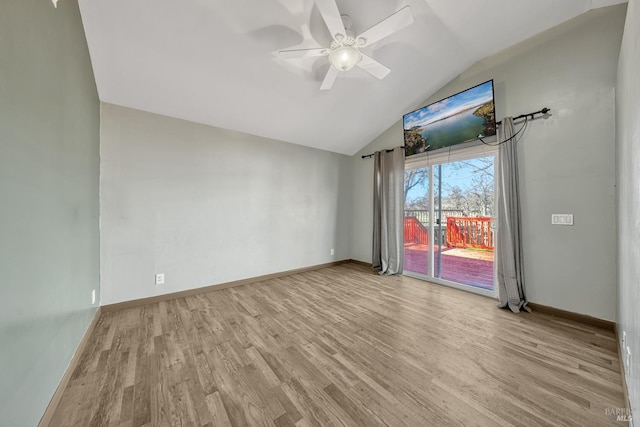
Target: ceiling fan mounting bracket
column 346, row 21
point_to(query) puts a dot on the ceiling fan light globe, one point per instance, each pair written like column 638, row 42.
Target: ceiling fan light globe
column 345, row 58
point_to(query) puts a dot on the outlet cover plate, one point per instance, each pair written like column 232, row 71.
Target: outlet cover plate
column 160, row 279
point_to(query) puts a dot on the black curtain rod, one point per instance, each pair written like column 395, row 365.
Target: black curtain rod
column 545, row 110
column 388, row 150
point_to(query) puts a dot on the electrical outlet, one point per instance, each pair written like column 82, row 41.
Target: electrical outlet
column 93, row 296
column 624, row 339
column 160, row 279
column 332, row 251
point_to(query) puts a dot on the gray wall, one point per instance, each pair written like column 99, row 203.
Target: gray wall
column 566, row 161
column 206, row 206
column 49, row 167
column 628, row 185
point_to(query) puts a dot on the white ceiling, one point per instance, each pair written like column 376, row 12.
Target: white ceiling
column 214, row 61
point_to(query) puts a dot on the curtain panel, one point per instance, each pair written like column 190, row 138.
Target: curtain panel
column 510, row 265
column 388, row 211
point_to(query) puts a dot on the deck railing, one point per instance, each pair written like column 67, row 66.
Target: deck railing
column 469, row 232
column 414, row 231
column 423, row 215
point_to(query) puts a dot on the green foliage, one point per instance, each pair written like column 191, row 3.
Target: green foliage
column 414, row 143
column 487, row 112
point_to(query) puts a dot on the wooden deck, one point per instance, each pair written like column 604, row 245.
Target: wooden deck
column 467, row 266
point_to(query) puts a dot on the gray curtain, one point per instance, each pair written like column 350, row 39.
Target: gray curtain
column 388, row 211
column 510, row 264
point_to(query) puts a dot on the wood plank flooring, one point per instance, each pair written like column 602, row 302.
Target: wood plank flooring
column 340, row 346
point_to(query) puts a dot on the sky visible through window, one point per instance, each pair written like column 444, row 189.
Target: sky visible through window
column 455, row 174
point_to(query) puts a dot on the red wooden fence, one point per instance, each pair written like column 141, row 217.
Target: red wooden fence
column 469, row 232
column 414, row 231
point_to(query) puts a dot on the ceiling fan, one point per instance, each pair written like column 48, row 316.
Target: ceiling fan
column 344, row 52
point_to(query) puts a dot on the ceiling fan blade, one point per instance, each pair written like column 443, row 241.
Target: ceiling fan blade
column 332, row 73
column 331, row 15
column 302, row 53
column 387, row 26
column 373, row 67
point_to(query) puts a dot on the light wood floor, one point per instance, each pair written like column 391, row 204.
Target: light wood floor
column 340, row 346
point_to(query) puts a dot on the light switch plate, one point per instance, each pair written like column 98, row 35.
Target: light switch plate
column 562, row 219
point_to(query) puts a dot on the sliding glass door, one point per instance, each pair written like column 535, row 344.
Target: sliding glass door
column 449, row 227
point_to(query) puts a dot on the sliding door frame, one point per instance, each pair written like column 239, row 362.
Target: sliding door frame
column 431, row 160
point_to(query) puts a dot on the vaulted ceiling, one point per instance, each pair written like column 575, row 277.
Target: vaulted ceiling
column 215, row 62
